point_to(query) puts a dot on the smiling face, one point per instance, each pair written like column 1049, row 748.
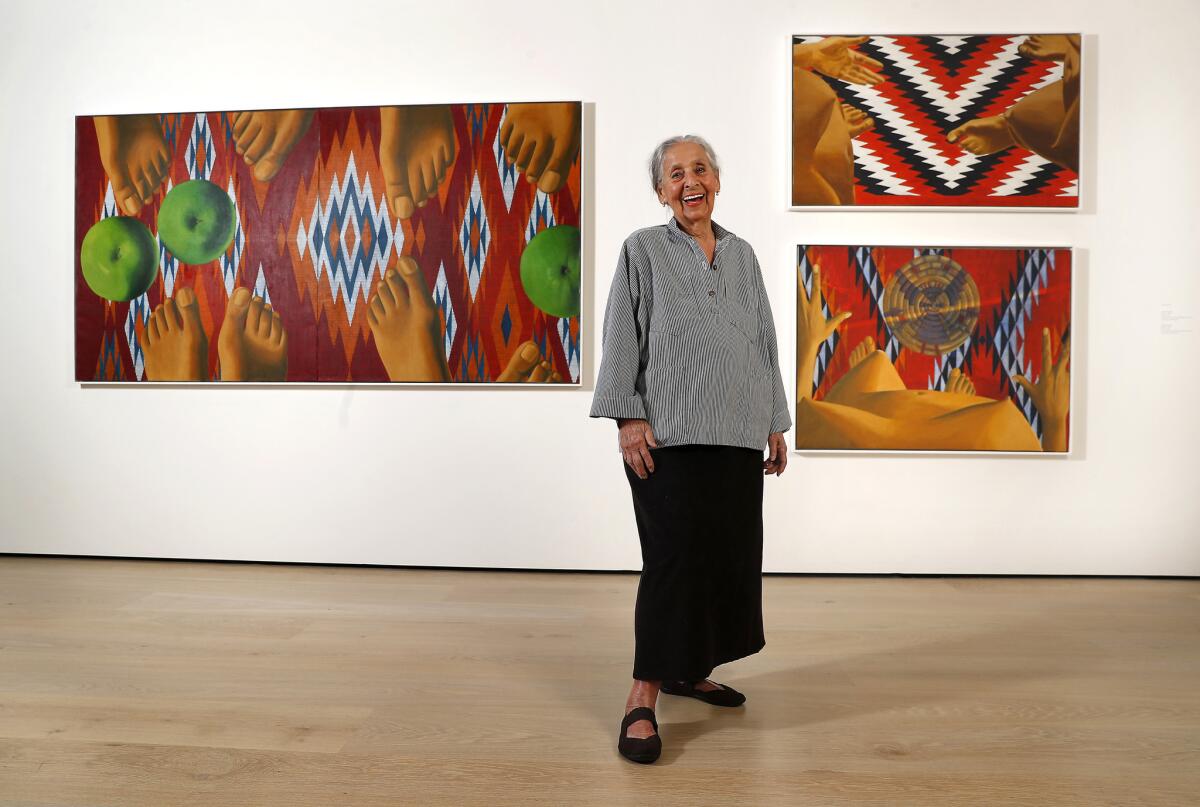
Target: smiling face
column 689, row 184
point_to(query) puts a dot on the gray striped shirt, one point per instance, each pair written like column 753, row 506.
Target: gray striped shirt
column 690, row 349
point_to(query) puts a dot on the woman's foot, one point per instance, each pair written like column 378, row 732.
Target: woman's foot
column 707, row 691
column 642, row 693
column 639, row 749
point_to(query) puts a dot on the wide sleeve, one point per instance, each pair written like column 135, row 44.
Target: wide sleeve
column 781, row 421
column 626, row 321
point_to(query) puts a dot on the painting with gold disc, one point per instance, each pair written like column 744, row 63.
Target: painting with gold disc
column 960, row 349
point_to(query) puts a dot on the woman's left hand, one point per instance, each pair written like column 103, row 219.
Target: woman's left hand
column 776, row 461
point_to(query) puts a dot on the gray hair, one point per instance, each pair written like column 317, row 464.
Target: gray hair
column 660, row 153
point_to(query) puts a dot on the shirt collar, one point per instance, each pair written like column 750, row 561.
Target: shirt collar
column 720, row 232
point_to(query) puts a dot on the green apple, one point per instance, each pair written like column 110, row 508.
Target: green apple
column 119, row 257
column 196, row 221
column 550, row 270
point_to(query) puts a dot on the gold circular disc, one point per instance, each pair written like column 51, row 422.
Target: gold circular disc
column 931, row 305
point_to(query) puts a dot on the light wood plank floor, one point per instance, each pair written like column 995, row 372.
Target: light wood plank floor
column 181, row 684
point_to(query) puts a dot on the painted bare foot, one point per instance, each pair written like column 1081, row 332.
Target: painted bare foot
column 135, row 157
column 406, row 325
column 252, row 345
column 959, row 382
column 983, row 135
column 174, row 343
column 543, row 141
column 528, row 365
column 857, row 120
column 416, row 146
column 265, row 138
column 865, row 348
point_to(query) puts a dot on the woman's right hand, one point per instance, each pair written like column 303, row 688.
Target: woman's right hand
column 636, row 439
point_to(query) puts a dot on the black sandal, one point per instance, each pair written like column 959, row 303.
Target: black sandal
column 728, row 696
column 639, row 749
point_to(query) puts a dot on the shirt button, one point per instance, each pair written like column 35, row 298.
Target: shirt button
column 712, row 294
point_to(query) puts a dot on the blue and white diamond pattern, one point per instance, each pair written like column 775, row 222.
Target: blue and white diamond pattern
column 475, row 216
column 441, row 297
column 825, row 351
column 1010, row 331
column 201, row 137
column 139, row 307
column 349, row 206
column 867, row 270
column 171, row 123
column 168, row 264
column 110, row 203
column 570, row 346
column 541, row 217
column 942, row 365
column 504, row 167
column 230, row 264
column 260, row 286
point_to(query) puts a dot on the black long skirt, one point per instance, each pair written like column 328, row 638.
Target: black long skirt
column 699, row 600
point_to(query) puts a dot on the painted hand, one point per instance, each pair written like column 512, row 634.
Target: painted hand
column 1047, row 47
column 1052, row 392
column 983, row 135
column 835, row 57
column 811, row 326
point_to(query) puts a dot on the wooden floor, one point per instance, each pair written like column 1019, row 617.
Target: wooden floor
column 179, row 684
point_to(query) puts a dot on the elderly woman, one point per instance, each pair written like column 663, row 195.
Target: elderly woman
column 691, row 375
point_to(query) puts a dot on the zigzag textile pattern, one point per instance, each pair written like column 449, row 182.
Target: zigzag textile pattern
column 931, row 86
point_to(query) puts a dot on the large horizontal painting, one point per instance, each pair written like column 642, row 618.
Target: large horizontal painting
column 435, row 244
column 936, row 121
column 933, row 349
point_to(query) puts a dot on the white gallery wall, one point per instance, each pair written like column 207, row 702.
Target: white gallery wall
column 523, row 478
